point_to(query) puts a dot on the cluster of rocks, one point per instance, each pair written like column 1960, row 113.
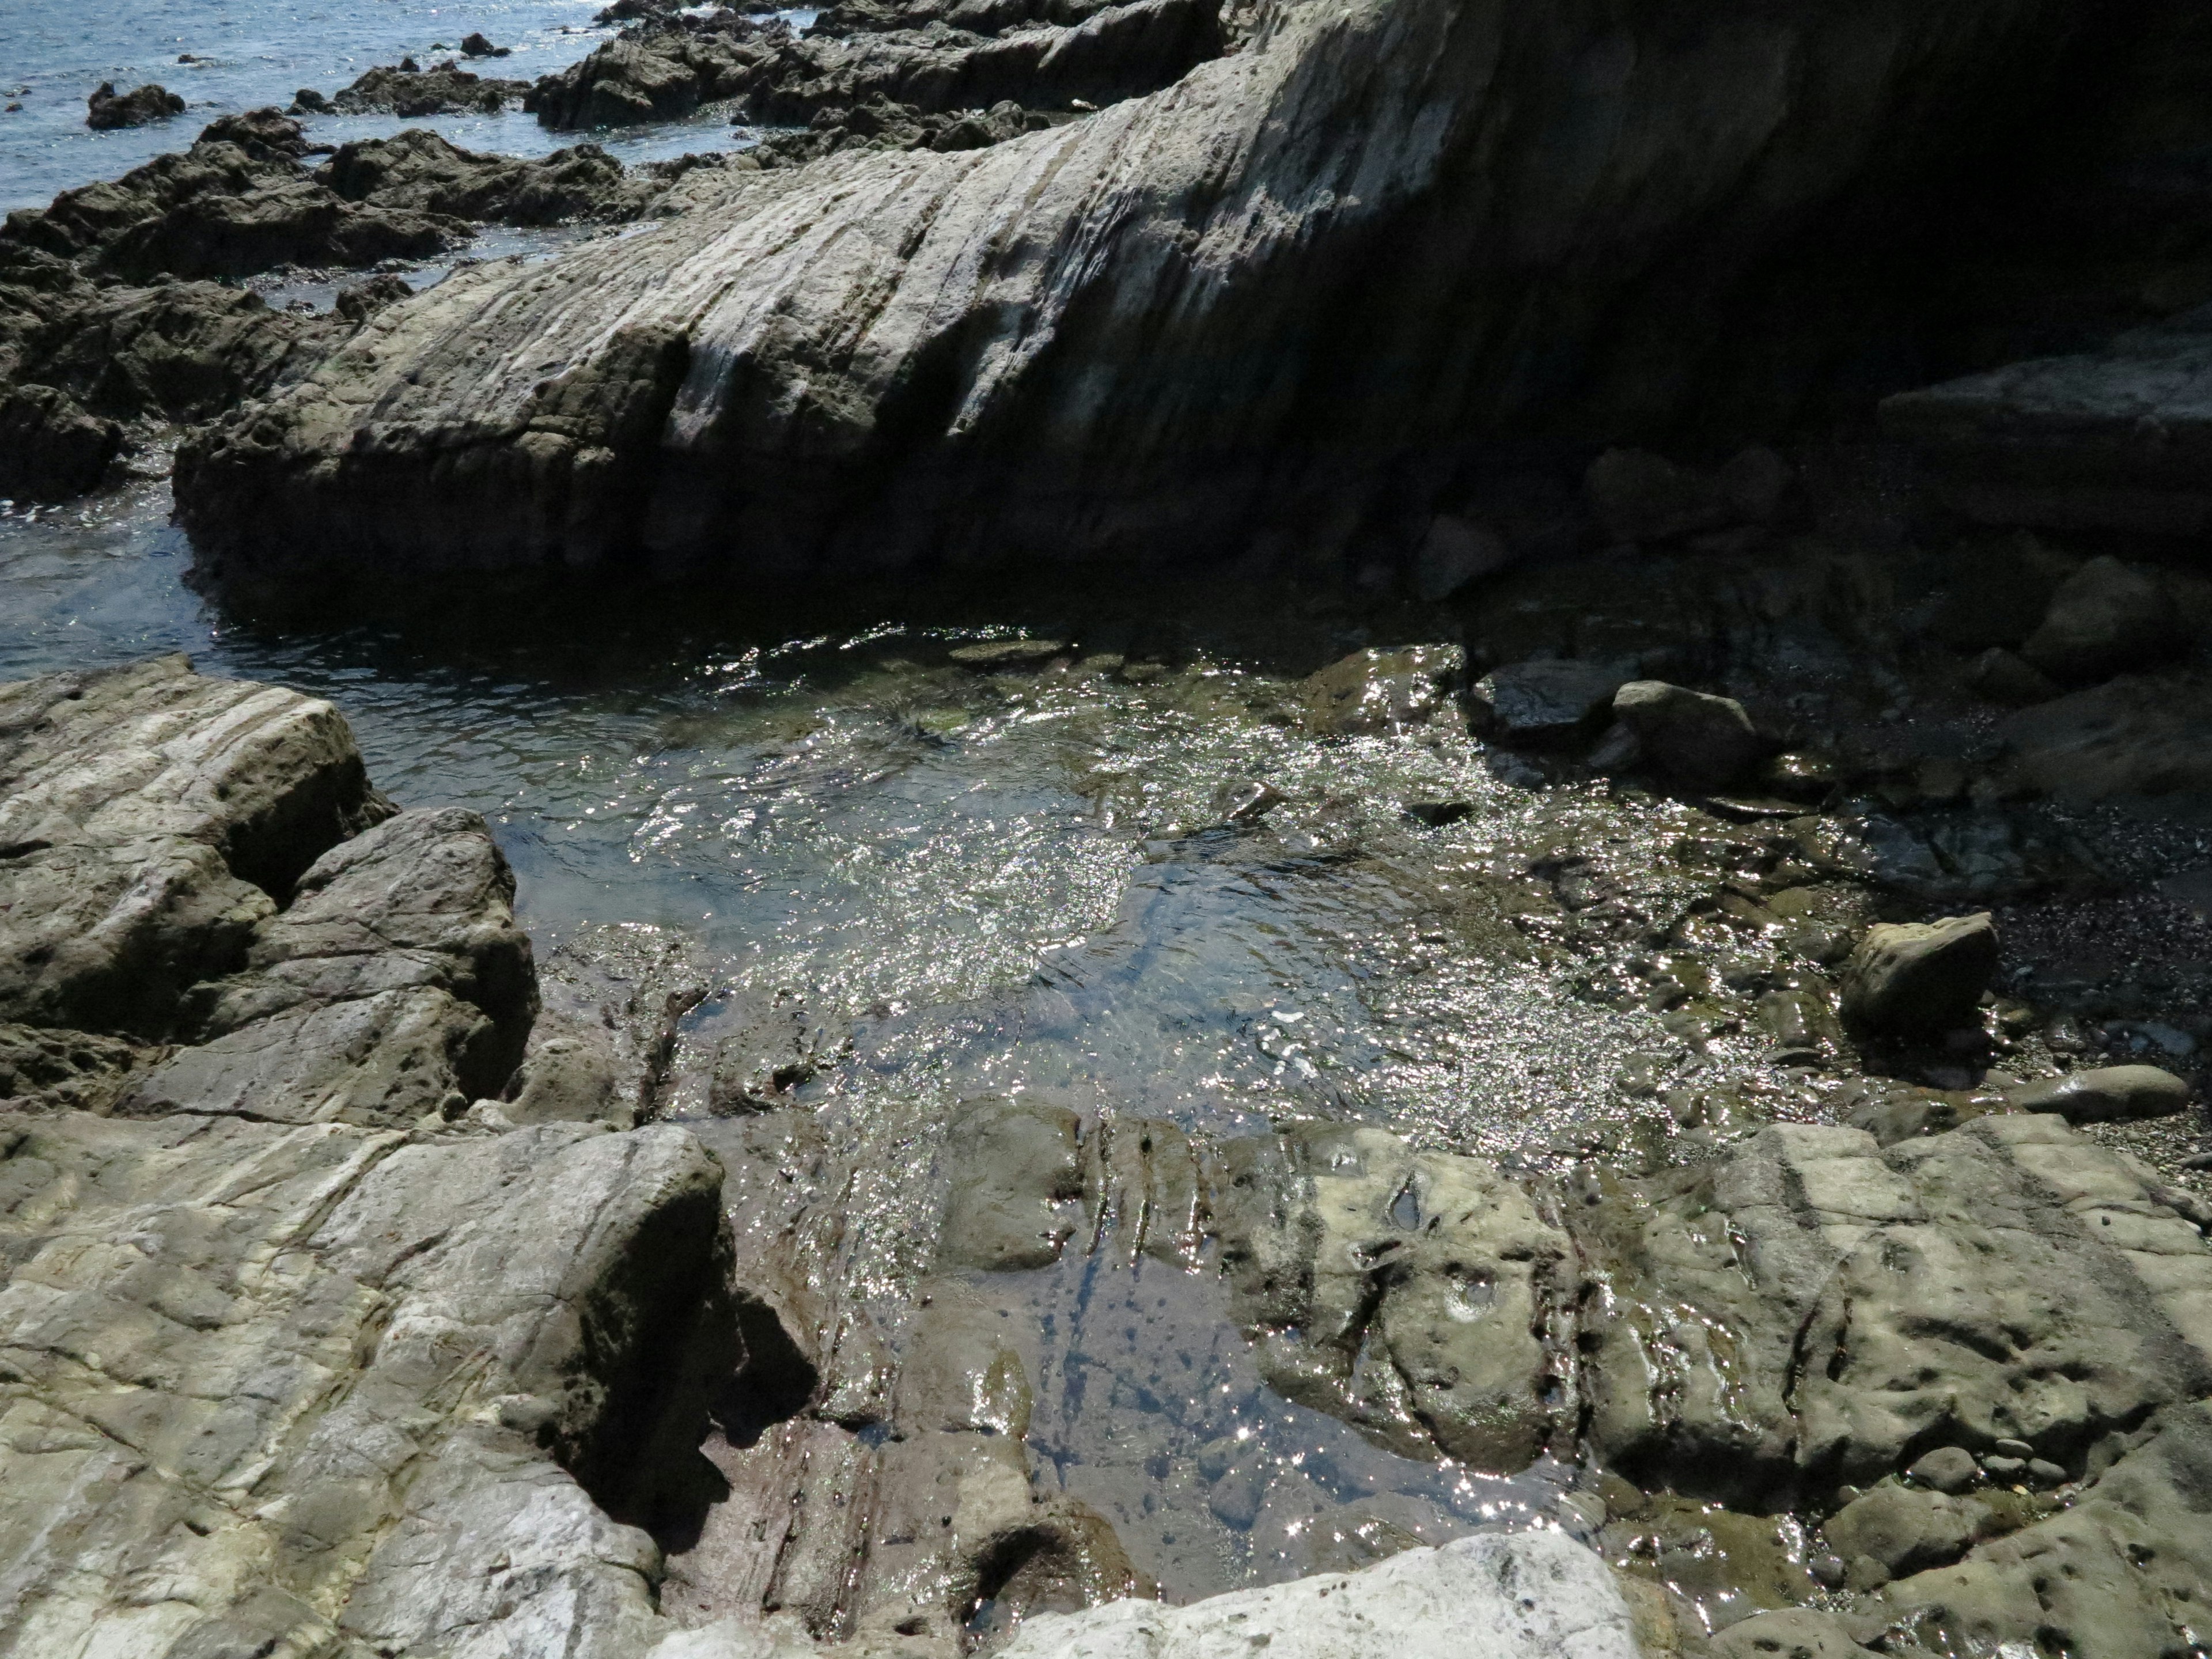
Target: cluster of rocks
column 119, row 307
column 407, row 89
column 931, row 76
column 352, row 1290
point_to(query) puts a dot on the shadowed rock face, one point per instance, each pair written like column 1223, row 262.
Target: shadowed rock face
column 1372, row 237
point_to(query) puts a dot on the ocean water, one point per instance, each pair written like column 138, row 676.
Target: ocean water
column 249, row 53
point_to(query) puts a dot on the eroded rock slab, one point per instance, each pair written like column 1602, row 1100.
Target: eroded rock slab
column 304, row 1380
column 151, row 820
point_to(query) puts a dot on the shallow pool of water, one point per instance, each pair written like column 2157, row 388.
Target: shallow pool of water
column 994, row 881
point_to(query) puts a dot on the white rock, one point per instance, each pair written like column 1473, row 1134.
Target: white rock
column 1495, row 1596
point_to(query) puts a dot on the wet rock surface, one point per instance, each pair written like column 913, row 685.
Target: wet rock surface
column 107, row 108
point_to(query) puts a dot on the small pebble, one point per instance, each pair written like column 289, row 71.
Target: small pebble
column 2004, row 1469
column 1827, row 1570
column 2014, row 1448
column 2045, row 1472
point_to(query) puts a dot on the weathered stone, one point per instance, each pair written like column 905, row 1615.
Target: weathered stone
column 1543, row 702
column 1454, row 553
column 1911, row 979
column 612, row 998
column 1524, row 1595
column 1947, row 1468
column 346, row 1448
column 1015, row 1174
column 2105, row 617
column 1418, row 1296
column 1638, row 496
column 2004, row 676
column 442, row 89
column 140, row 106
column 1163, row 363
column 2112, row 440
column 50, row 448
column 2141, row 734
column 1374, row 690
column 2107, row 1094
column 76, row 1071
column 1689, row 737
column 1905, row 1531
column 148, row 817
column 1814, row 1308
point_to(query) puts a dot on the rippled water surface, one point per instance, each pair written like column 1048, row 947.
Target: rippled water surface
column 996, row 882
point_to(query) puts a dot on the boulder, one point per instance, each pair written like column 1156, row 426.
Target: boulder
column 395, row 984
column 1920, row 979
column 1904, row 1531
column 2105, row 617
column 50, row 448
column 2107, row 1094
column 152, row 819
column 1692, row 738
column 1454, row 553
column 140, row 106
column 2111, row 440
column 1163, row 365
column 1638, row 496
column 1542, row 703
column 1372, row 691
column 1522, row 1595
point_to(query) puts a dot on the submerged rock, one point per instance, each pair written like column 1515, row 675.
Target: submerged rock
column 1417, row 1296
column 1919, row 980
column 1373, row 690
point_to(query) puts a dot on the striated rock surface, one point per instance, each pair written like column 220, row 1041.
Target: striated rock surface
column 1154, row 333
column 1818, row 1310
column 151, row 820
column 304, row 1381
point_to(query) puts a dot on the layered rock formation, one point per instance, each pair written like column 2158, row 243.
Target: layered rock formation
column 1364, row 242
column 118, row 313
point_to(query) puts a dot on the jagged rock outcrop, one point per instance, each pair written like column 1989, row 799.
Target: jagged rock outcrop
column 1153, row 333
column 444, row 89
column 107, row 109
column 860, row 73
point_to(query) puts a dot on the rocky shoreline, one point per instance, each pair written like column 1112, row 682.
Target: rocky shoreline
column 363, row 1289
column 376, row 1283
